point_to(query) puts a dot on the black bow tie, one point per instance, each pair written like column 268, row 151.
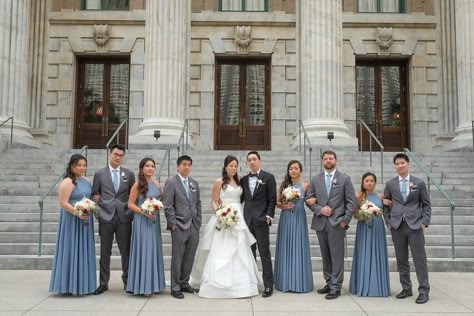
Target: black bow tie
column 253, row 175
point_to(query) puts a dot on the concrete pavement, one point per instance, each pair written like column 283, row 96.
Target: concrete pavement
column 26, row 293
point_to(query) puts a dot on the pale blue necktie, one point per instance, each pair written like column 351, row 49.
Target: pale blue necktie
column 404, row 189
column 186, row 187
column 115, row 180
column 328, row 183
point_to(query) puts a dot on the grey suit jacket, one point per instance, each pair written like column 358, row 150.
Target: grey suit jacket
column 341, row 200
column 417, row 207
column 110, row 201
column 179, row 210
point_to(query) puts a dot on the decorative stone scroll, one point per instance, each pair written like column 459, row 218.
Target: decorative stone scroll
column 101, row 34
column 385, row 40
column 243, row 37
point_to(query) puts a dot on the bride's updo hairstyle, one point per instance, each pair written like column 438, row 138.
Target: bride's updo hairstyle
column 225, row 176
column 72, row 163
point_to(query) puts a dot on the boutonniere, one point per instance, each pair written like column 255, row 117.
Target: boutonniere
column 191, row 187
column 259, row 182
column 334, row 182
column 413, row 187
column 123, row 177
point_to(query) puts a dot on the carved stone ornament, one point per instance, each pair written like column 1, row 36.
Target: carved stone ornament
column 242, row 37
column 384, row 39
column 101, row 34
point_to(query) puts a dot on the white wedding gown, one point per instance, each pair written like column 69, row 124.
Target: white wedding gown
column 224, row 266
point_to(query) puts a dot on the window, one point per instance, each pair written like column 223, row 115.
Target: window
column 381, row 6
column 105, row 4
column 243, row 5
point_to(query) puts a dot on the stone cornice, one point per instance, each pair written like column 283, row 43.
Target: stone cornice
column 275, row 18
column 388, row 20
column 98, row 17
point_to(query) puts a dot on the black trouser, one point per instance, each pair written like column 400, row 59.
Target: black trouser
column 262, row 235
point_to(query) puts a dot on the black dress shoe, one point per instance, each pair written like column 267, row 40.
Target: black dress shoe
column 101, row 289
column 324, row 290
column 125, row 286
column 333, row 294
column 189, row 289
column 177, row 294
column 267, row 292
column 404, row 294
column 422, row 299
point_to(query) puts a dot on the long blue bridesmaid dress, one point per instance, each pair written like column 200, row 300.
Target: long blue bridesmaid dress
column 74, row 256
column 293, row 271
column 370, row 272
column 146, row 269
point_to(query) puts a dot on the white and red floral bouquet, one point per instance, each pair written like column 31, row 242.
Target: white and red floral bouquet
column 227, row 216
column 151, row 206
column 85, row 207
column 290, row 195
column 369, row 211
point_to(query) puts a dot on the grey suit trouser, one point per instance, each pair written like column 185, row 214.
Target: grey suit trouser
column 122, row 232
column 331, row 243
column 403, row 237
column 184, row 245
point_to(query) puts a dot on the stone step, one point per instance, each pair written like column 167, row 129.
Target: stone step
column 33, row 262
column 48, row 249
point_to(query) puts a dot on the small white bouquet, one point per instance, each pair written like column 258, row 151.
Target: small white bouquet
column 227, row 216
column 151, row 206
column 290, row 195
column 85, row 207
column 369, row 211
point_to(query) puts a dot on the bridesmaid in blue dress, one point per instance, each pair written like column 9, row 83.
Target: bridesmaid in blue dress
column 293, row 271
column 73, row 271
column 146, row 274
column 370, row 272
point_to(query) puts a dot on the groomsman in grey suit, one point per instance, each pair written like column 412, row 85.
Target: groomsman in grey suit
column 182, row 206
column 331, row 198
column 407, row 218
column 111, row 189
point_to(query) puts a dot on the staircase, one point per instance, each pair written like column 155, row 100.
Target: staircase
column 25, row 174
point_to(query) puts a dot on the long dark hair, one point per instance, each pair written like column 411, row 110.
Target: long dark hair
column 225, row 176
column 71, row 164
column 287, row 181
column 363, row 192
column 142, row 183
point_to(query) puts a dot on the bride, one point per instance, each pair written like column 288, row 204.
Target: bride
column 224, row 266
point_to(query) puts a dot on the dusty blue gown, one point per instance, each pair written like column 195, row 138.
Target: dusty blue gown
column 146, row 268
column 293, row 271
column 370, row 272
column 74, row 256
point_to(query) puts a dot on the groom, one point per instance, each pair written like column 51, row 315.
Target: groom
column 182, row 207
column 407, row 219
column 260, row 197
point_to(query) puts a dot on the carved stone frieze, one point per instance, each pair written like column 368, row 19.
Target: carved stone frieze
column 243, row 37
column 101, row 34
column 384, row 40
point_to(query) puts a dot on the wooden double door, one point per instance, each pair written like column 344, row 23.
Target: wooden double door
column 102, row 101
column 242, row 104
column 382, row 103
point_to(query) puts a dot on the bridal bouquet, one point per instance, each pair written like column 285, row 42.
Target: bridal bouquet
column 290, row 195
column 85, row 207
column 368, row 211
column 150, row 206
column 227, row 216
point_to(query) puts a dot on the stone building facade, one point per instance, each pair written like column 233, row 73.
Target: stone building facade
column 243, row 73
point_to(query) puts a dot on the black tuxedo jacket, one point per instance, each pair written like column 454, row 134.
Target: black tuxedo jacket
column 262, row 202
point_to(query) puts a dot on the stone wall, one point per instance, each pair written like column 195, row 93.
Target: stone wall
column 67, row 41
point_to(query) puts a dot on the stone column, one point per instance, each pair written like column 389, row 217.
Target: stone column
column 14, row 26
column 465, row 71
column 321, row 72
column 166, row 50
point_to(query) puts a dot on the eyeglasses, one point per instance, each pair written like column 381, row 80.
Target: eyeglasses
column 118, row 155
